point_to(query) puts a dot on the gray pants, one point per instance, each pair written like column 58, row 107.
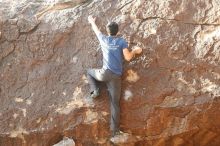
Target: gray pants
column 113, row 82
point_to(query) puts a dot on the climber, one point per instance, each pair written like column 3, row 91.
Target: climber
column 113, row 48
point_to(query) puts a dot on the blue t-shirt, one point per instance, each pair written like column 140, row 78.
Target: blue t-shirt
column 112, row 49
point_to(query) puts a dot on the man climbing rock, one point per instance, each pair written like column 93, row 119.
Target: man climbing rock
column 114, row 48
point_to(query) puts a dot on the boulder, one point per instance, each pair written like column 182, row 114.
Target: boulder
column 170, row 93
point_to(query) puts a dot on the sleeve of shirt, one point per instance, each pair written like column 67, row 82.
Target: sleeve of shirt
column 100, row 37
column 124, row 45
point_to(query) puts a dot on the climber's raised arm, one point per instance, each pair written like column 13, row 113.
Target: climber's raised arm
column 92, row 20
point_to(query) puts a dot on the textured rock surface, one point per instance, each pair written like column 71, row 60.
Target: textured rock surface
column 171, row 93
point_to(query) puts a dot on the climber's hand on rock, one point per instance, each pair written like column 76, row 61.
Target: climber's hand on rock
column 91, row 19
column 137, row 50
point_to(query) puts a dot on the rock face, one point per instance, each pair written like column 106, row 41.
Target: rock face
column 171, row 93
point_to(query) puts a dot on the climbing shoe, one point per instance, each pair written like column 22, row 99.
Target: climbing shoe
column 119, row 137
column 94, row 94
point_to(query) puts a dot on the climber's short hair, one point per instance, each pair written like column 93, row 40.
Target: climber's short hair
column 112, row 28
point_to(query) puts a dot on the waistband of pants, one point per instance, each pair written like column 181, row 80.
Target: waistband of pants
column 105, row 68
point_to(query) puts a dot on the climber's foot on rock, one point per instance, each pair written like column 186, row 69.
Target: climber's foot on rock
column 94, row 94
column 119, row 137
